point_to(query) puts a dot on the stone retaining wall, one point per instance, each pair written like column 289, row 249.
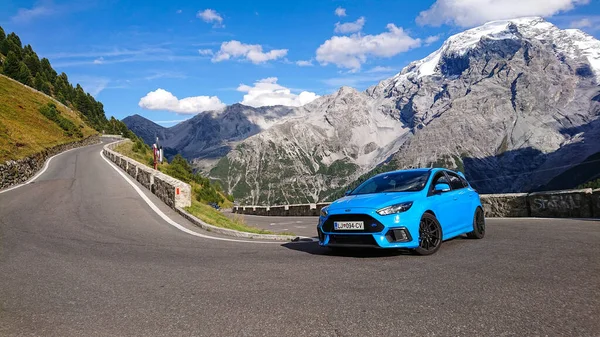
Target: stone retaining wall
column 171, row 191
column 505, row 205
column 14, row 172
column 561, row 204
column 596, row 203
column 556, row 204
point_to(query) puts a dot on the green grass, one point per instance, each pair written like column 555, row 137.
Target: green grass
column 25, row 131
column 216, row 218
column 590, row 184
column 144, row 157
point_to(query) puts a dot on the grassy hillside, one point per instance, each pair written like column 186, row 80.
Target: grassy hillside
column 21, row 63
column 24, row 130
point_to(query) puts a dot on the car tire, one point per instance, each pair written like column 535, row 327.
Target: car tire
column 478, row 225
column 430, row 235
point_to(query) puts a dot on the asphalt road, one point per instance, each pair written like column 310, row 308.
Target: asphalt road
column 81, row 254
column 299, row 225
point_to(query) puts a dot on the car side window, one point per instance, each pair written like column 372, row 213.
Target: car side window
column 464, row 182
column 440, row 178
column 455, row 181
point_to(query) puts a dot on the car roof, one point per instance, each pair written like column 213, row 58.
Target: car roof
column 432, row 169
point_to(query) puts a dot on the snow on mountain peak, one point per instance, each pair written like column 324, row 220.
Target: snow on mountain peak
column 573, row 43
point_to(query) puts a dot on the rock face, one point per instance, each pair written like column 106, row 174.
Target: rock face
column 328, row 143
column 511, row 103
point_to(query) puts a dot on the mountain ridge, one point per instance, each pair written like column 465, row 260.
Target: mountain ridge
column 495, row 100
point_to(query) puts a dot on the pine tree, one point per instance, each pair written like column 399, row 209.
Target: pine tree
column 24, row 75
column 11, row 65
column 38, row 81
column 2, row 34
column 47, row 71
column 15, row 39
column 4, row 47
column 33, row 63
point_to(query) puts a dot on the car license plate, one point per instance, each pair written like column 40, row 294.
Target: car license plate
column 348, row 225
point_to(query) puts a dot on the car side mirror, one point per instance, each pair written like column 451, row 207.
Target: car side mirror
column 441, row 188
column 347, row 193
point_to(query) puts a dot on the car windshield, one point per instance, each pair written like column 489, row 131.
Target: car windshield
column 404, row 181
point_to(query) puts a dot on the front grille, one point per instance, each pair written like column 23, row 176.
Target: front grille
column 352, row 240
column 398, row 235
column 371, row 224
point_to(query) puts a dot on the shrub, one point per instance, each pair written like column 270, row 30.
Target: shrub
column 69, row 128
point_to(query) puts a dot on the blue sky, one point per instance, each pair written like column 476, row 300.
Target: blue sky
column 211, row 53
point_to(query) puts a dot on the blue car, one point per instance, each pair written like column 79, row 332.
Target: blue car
column 409, row 209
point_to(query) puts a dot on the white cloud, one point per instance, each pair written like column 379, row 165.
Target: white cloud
column 467, row 13
column 267, row 92
column 582, row 23
column 164, row 74
column 179, row 11
column 589, row 23
column 209, row 16
column 303, row 63
column 205, row 52
column 251, row 52
column 99, row 60
column 93, row 85
column 380, row 69
column 352, row 51
column 340, row 11
column 25, row 15
column 431, row 39
column 350, row 27
column 161, row 99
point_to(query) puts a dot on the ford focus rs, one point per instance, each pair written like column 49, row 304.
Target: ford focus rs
column 410, row 209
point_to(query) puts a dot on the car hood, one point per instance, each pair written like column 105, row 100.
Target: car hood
column 374, row 200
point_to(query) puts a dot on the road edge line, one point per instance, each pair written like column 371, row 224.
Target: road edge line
column 166, row 218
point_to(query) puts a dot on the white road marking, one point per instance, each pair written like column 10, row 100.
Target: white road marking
column 165, row 217
column 39, row 173
column 300, row 226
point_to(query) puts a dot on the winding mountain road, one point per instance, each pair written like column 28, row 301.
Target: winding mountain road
column 82, row 254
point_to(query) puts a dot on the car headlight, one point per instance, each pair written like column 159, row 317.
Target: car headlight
column 324, row 211
column 398, row 208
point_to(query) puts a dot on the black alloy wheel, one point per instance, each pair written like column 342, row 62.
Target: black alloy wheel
column 430, row 235
column 478, row 225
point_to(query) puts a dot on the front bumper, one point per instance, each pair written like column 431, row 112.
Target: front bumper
column 391, row 231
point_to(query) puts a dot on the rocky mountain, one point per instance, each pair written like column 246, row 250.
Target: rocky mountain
column 146, row 129
column 208, row 136
column 512, row 103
